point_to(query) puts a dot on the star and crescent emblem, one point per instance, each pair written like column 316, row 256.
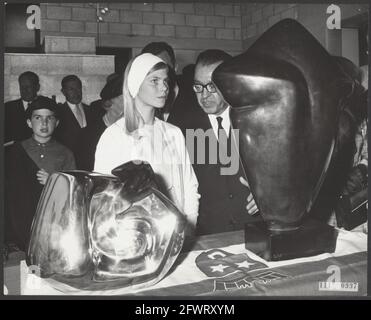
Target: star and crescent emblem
column 219, row 263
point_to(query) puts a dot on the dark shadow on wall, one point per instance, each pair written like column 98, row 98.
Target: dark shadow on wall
column 122, row 56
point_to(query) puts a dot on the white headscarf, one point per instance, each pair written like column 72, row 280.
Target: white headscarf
column 140, row 67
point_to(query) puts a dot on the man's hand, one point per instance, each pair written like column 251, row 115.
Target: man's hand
column 42, row 176
column 251, row 205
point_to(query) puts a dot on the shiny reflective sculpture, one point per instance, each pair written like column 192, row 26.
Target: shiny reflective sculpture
column 97, row 232
column 290, row 102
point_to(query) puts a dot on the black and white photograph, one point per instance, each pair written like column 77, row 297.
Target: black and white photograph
column 213, row 149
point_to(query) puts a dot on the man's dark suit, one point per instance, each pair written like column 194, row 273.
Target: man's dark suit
column 79, row 140
column 16, row 128
column 223, row 198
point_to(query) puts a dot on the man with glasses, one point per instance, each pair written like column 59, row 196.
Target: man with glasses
column 226, row 203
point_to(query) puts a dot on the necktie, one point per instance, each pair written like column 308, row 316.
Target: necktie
column 79, row 115
column 221, row 129
column 223, row 142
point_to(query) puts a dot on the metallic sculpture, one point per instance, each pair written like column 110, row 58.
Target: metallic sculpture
column 97, row 232
column 289, row 102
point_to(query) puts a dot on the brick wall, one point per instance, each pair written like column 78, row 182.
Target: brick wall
column 257, row 18
column 51, row 68
column 188, row 27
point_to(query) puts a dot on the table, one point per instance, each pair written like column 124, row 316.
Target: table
column 219, row 265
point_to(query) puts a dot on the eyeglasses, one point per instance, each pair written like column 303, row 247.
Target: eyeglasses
column 198, row 88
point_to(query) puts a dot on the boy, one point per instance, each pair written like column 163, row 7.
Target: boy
column 29, row 163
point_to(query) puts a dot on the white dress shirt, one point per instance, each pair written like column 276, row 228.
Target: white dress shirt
column 226, row 123
column 25, row 104
column 78, row 111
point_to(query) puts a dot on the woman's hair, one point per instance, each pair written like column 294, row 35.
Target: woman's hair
column 133, row 119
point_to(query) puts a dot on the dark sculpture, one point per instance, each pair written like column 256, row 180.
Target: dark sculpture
column 292, row 105
column 97, row 232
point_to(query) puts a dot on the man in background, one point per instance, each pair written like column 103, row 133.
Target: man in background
column 16, row 128
column 75, row 118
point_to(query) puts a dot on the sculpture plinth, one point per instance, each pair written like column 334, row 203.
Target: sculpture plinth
column 311, row 238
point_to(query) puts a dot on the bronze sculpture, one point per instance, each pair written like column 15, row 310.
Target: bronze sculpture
column 291, row 105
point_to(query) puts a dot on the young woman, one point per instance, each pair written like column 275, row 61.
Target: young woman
column 139, row 135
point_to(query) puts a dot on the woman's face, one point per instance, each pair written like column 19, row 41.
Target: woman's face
column 154, row 89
